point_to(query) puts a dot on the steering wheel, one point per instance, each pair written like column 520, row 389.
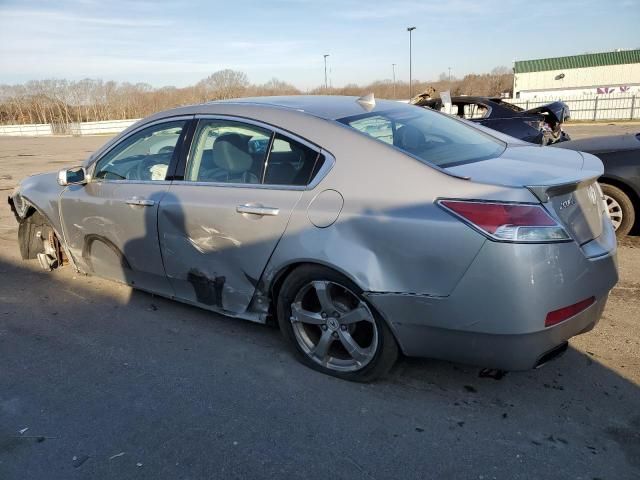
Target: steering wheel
column 166, row 149
column 143, row 169
column 103, row 174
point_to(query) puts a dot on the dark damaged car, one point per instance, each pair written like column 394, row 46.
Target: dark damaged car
column 365, row 228
column 620, row 183
column 541, row 125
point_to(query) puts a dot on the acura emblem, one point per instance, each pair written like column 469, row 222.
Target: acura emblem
column 567, row 203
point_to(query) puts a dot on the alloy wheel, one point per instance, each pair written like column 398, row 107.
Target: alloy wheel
column 333, row 326
column 615, row 211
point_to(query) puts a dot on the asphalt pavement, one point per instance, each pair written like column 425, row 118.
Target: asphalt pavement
column 98, row 381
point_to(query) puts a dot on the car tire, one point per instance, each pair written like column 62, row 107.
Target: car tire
column 323, row 337
column 620, row 209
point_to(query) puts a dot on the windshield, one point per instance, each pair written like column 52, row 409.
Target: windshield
column 433, row 137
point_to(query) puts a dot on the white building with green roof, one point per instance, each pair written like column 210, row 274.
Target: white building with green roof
column 588, row 74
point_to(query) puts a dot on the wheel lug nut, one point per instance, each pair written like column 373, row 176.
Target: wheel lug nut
column 336, row 314
column 324, row 315
column 343, row 327
column 324, row 327
column 335, row 334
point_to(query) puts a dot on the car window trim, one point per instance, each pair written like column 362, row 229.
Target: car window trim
column 266, row 160
column 92, row 165
column 184, row 145
column 329, row 159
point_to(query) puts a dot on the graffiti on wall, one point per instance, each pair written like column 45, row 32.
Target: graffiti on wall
column 620, row 89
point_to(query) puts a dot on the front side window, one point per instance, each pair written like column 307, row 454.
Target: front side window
column 227, row 152
column 433, row 137
column 144, row 155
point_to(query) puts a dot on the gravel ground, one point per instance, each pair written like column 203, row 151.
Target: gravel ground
column 114, row 383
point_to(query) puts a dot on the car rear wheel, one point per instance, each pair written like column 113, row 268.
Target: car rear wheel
column 331, row 328
column 620, row 209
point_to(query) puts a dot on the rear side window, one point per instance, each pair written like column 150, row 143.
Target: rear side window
column 471, row 111
column 433, row 137
column 290, row 163
column 227, row 152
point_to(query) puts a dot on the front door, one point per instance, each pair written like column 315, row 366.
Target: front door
column 110, row 223
column 219, row 226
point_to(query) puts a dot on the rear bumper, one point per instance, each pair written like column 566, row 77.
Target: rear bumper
column 506, row 352
column 495, row 315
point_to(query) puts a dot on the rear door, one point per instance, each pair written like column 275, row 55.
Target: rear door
column 220, row 222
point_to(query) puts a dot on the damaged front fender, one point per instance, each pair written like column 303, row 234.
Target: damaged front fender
column 34, row 204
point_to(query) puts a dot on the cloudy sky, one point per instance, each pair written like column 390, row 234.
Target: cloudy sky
column 178, row 43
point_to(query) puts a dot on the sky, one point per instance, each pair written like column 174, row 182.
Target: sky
column 178, row 43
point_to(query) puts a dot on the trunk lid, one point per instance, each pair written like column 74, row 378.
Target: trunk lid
column 556, row 112
column 565, row 184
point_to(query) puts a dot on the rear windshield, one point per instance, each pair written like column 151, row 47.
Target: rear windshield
column 432, row 137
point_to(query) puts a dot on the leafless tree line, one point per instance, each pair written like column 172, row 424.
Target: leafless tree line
column 65, row 101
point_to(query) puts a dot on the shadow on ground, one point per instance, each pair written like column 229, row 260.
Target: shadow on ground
column 117, row 384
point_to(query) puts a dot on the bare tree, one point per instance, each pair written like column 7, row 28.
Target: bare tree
column 224, row 84
column 63, row 102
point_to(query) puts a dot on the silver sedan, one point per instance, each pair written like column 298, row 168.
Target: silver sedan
column 365, row 228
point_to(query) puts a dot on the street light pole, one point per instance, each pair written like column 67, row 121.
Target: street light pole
column 326, row 85
column 410, row 29
column 393, row 65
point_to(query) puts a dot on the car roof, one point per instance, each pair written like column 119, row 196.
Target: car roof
column 329, row 107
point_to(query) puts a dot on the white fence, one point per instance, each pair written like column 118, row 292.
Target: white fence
column 109, row 127
column 613, row 106
column 97, row 128
column 29, row 130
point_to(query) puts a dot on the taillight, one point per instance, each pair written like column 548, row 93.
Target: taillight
column 565, row 313
column 508, row 222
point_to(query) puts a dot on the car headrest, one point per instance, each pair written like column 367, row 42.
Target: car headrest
column 230, row 152
column 409, row 138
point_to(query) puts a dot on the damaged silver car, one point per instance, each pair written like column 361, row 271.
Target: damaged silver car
column 366, row 228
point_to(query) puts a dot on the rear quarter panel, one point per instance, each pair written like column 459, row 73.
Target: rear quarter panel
column 390, row 235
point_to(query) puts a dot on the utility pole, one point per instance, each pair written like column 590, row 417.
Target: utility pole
column 326, row 85
column 410, row 29
column 449, row 76
column 393, row 65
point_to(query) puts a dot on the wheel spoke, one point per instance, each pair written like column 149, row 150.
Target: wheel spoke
column 358, row 353
column 615, row 211
column 299, row 314
column 324, row 297
column 322, row 347
column 356, row 315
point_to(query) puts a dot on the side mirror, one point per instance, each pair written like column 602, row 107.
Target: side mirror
column 72, row 176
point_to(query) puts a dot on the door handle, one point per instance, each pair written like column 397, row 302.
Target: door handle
column 140, row 201
column 257, row 210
